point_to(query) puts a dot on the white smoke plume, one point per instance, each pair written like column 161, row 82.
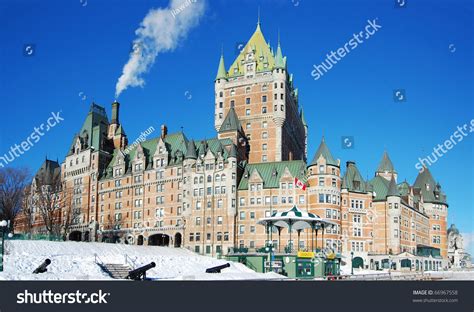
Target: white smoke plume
column 160, row 31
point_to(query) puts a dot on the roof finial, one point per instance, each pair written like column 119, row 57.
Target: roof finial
column 258, row 17
column 278, row 36
column 222, row 49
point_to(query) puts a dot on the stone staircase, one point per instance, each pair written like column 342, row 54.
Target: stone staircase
column 117, row 271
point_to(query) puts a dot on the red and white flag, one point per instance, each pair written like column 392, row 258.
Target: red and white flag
column 300, row 184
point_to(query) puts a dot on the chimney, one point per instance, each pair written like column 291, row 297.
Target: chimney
column 164, row 131
column 349, row 163
column 115, row 112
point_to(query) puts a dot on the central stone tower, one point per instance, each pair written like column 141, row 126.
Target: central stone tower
column 260, row 90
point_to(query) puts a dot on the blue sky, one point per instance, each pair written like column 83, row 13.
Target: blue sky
column 82, row 48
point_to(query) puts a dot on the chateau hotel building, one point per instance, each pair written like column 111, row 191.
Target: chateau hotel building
column 207, row 195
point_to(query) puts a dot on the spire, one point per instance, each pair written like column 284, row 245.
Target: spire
column 191, row 150
column 221, row 73
column 258, row 18
column 231, row 122
column 279, row 59
column 392, row 188
column 323, row 150
column 202, row 148
column 386, row 164
column 303, row 120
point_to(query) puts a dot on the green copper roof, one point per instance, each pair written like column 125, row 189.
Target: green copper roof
column 94, row 129
column 380, row 187
column 392, row 188
column 48, row 174
column 453, row 229
column 191, row 150
column 262, row 52
column 386, row 164
column 221, row 73
column 280, row 61
column 324, row 151
column 214, row 145
column 430, row 190
column 404, row 188
column 231, row 122
column 353, row 181
column 175, row 145
column 272, row 172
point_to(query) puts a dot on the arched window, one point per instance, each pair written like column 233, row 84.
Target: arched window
column 201, row 179
column 223, row 177
column 209, row 178
column 218, row 178
column 195, row 180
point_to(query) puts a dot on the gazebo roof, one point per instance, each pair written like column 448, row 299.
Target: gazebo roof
column 295, row 218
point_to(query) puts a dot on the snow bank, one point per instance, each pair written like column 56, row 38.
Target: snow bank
column 76, row 261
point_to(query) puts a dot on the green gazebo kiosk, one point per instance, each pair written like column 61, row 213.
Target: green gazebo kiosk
column 292, row 262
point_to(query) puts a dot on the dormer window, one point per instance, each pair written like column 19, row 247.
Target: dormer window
column 249, row 56
column 356, row 184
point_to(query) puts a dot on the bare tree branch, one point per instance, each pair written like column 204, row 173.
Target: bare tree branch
column 12, row 184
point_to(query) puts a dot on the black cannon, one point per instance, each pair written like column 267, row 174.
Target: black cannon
column 217, row 269
column 140, row 273
column 43, row 267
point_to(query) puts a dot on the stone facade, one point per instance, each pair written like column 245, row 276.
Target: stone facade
column 207, row 195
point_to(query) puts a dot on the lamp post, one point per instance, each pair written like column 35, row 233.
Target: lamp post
column 4, row 230
column 352, row 263
column 389, row 266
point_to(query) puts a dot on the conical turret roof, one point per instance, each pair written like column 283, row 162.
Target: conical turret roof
column 324, row 151
column 191, row 150
column 231, row 122
column 392, row 188
column 221, row 73
column 386, row 164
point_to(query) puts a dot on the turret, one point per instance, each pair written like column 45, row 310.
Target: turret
column 219, row 87
column 386, row 168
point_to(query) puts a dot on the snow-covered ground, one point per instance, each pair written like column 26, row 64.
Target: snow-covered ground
column 76, row 261
column 453, row 275
column 442, row 275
